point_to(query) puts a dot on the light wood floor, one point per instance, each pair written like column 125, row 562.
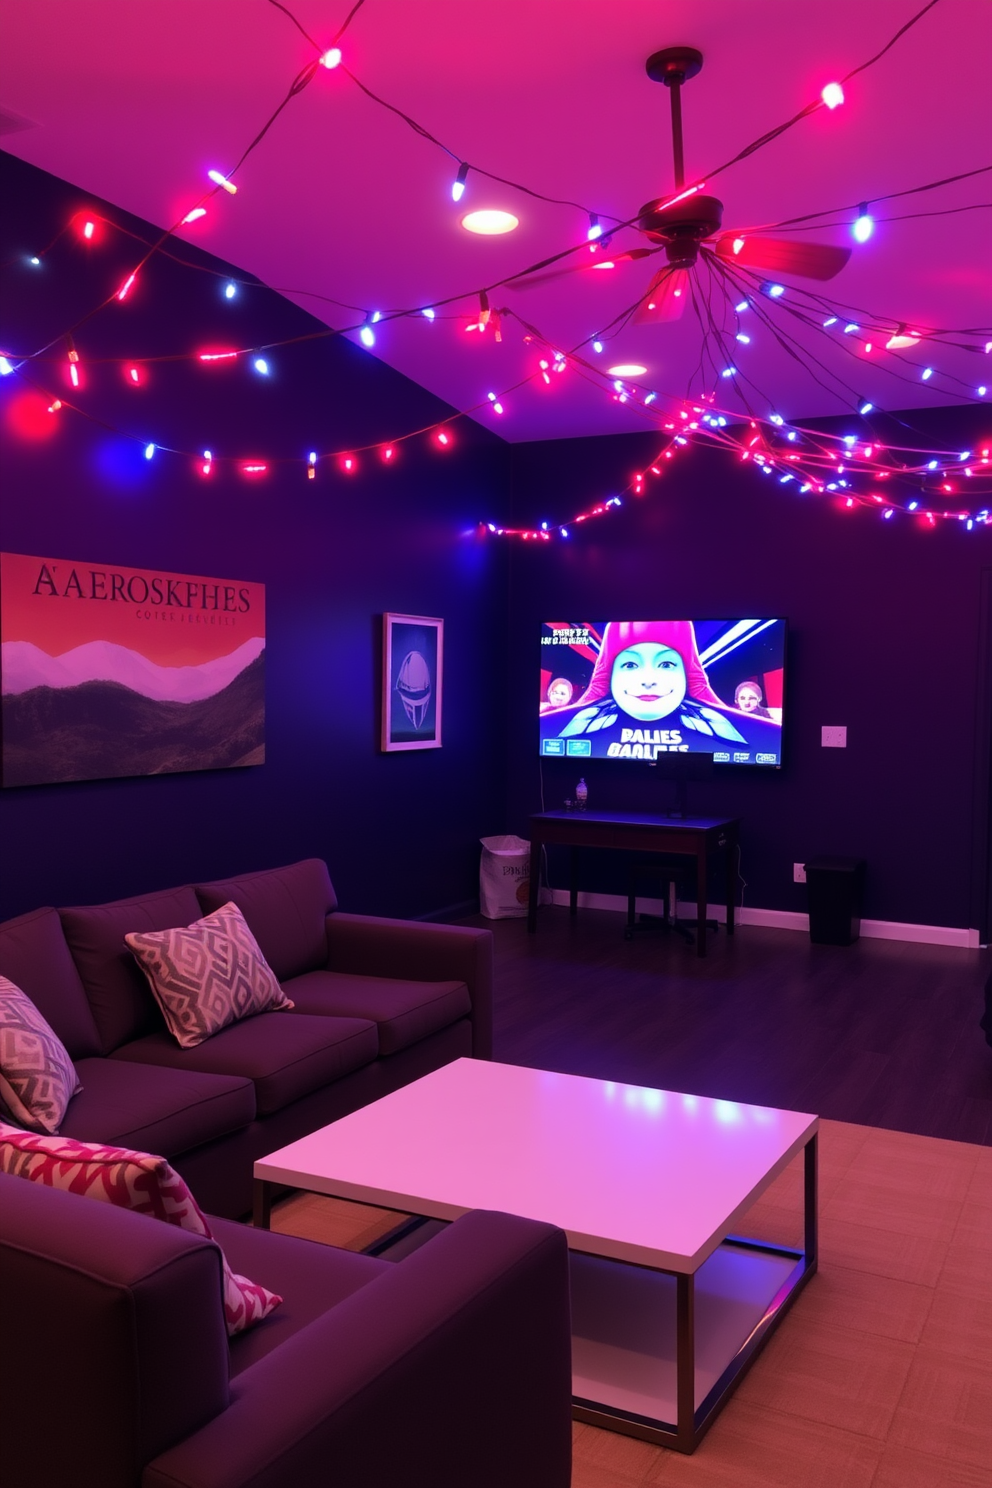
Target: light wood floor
column 881, row 1375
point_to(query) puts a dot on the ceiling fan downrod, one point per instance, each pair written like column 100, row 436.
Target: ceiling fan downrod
column 674, row 66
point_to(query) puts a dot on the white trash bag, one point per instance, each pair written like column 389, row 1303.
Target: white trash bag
column 504, row 877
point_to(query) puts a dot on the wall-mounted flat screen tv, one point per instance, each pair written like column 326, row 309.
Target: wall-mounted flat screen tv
column 641, row 689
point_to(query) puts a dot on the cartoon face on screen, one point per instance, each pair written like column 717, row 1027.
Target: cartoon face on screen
column 748, row 696
column 560, row 692
column 648, row 681
column 414, row 687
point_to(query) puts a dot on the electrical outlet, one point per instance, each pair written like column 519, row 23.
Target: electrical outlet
column 833, row 736
column 799, row 873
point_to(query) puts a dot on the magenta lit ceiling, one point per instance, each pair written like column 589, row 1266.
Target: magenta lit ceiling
column 135, row 101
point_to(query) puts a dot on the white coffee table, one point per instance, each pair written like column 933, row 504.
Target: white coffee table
column 669, row 1304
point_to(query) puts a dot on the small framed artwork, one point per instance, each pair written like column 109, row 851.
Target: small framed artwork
column 412, row 673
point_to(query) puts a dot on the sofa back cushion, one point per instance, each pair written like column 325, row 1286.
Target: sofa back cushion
column 286, row 910
column 114, row 1331
column 118, row 993
column 35, row 957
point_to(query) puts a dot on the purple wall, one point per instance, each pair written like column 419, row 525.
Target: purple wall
column 884, row 637
column 399, row 831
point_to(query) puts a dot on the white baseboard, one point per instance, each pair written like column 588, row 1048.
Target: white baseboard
column 785, row 919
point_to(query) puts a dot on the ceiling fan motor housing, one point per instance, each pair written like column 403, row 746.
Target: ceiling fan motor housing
column 682, row 226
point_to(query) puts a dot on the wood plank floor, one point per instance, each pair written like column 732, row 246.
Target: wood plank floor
column 880, row 1033
column 880, row 1376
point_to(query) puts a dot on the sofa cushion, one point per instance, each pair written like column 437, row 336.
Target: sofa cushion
column 310, row 1277
column 285, row 1055
column 123, row 1006
column 129, row 1180
column 37, row 1077
column 156, row 1109
column 286, row 909
column 206, row 975
column 404, row 1012
column 34, row 955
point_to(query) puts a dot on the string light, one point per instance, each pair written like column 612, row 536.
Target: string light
column 73, row 355
column 773, row 291
column 312, row 465
column 864, row 225
column 428, row 313
column 6, row 367
column 127, row 286
column 367, row 335
column 133, row 376
column 221, row 356
column 833, row 95
column 89, row 229
column 194, row 215
column 261, row 366
column 595, row 231
column 149, row 451
column 219, row 179
column 331, row 58
column 458, row 184
column 230, row 290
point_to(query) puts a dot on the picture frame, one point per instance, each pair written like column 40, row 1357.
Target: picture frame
column 412, row 681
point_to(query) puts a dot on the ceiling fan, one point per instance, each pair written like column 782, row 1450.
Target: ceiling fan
column 685, row 222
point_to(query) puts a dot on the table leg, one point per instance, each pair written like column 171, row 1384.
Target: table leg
column 535, row 884
column 701, row 899
column 573, row 882
column 729, row 853
column 262, row 1204
column 811, row 1164
column 685, row 1361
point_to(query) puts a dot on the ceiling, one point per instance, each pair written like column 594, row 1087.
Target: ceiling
column 134, row 102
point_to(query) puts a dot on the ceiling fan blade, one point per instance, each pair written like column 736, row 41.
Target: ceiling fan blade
column 782, row 256
column 607, row 262
column 666, row 298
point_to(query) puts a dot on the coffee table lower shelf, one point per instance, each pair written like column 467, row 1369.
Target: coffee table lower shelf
column 656, row 1354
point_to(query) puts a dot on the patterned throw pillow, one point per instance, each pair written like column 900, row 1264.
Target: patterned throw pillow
column 37, row 1078
column 207, row 975
column 131, row 1180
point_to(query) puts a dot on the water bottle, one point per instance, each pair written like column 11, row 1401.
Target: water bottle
column 581, row 795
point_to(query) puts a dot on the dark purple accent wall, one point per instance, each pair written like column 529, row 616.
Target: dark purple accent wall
column 400, row 832
column 884, row 637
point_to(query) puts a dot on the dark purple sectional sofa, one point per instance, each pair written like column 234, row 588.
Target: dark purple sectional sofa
column 449, row 1369
column 378, row 1003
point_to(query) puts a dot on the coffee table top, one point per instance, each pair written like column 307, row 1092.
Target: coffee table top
column 649, row 1176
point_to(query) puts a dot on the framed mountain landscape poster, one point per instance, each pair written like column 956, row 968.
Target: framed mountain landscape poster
column 108, row 671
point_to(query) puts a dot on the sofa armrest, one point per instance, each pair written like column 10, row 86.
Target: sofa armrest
column 366, row 944
column 453, row 1368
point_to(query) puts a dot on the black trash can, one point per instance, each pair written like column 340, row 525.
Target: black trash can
column 835, row 888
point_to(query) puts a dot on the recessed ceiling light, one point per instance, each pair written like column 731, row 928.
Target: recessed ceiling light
column 627, row 369
column 490, row 222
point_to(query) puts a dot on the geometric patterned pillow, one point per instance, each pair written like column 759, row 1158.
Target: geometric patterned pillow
column 37, row 1078
column 207, row 975
column 130, row 1180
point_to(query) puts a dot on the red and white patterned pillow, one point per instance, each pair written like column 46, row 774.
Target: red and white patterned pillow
column 37, row 1077
column 207, row 975
column 131, row 1180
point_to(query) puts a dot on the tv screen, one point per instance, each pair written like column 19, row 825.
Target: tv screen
column 641, row 689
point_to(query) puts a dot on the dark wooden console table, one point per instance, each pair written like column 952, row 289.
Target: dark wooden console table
column 693, row 836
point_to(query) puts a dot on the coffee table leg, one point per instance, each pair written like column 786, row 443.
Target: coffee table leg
column 810, row 1175
column 685, row 1361
column 261, row 1214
